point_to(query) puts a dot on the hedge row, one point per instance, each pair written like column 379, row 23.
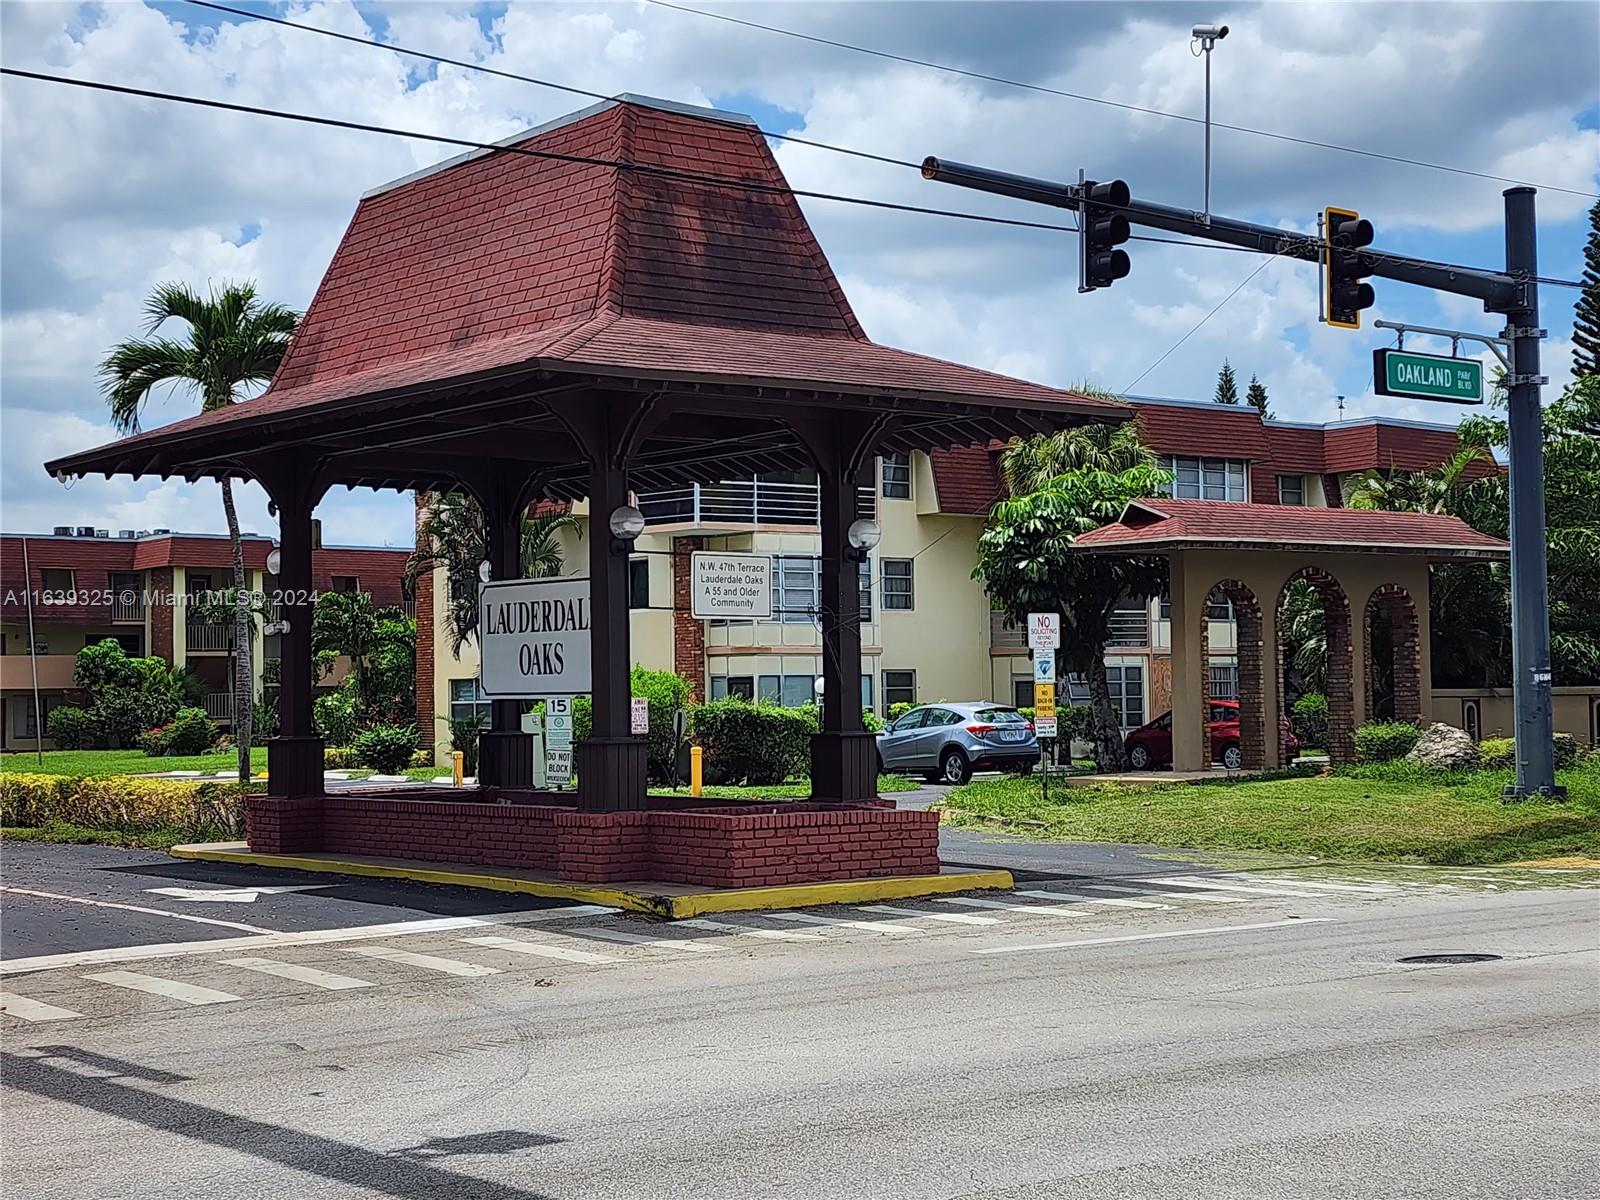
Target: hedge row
column 210, row 811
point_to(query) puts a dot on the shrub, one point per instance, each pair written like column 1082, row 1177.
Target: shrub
column 120, row 715
column 1385, row 741
column 899, row 709
column 334, row 716
column 758, row 744
column 666, row 694
column 1308, row 717
column 126, row 695
column 1498, row 752
column 264, row 716
column 871, row 721
column 190, row 732
column 421, row 758
column 205, row 811
column 1566, row 749
column 70, row 728
column 339, row 758
column 1076, row 721
column 464, row 733
column 386, row 748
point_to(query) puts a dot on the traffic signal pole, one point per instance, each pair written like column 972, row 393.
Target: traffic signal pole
column 1512, row 292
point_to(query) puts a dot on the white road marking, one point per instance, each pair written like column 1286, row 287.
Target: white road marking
column 1079, row 896
column 1133, row 891
column 1373, row 888
column 870, row 926
column 1218, row 885
column 239, row 895
column 154, row 912
column 952, row 918
column 1058, row 910
column 781, row 935
column 427, row 962
column 33, row 1010
column 541, row 949
column 156, row 986
column 1148, row 937
column 299, row 974
column 691, row 945
column 269, row 940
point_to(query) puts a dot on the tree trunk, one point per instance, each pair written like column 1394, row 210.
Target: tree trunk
column 244, row 680
column 1109, row 754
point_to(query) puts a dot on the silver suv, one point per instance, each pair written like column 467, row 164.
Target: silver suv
column 949, row 741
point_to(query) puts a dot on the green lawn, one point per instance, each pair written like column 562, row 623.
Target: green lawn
column 1388, row 813
column 125, row 762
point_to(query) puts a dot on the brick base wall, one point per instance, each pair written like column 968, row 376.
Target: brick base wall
column 710, row 846
column 1396, row 605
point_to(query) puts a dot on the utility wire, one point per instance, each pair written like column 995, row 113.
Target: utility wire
column 1136, row 108
column 669, row 173
column 1261, row 266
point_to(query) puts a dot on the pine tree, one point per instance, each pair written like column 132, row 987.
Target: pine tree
column 1227, row 386
column 1256, row 395
column 1586, row 324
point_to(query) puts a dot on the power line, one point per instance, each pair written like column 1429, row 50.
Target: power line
column 1136, row 108
column 1261, row 266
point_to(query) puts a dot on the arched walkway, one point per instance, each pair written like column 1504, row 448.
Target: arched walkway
column 1340, row 689
column 1393, row 656
column 1252, row 745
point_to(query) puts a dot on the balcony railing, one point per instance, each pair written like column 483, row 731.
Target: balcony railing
column 742, row 502
column 127, row 610
column 203, row 637
column 1129, row 627
column 219, row 706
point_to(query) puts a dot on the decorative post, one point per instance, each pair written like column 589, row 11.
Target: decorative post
column 505, row 753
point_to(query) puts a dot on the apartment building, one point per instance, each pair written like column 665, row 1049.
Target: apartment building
column 80, row 585
column 927, row 628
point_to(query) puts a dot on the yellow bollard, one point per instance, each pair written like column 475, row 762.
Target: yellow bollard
column 456, row 769
column 694, row 770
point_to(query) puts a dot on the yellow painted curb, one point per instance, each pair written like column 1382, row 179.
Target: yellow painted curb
column 672, row 907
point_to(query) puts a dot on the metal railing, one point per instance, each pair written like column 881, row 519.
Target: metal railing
column 742, row 502
column 1129, row 627
column 219, row 706
column 207, row 636
column 127, row 610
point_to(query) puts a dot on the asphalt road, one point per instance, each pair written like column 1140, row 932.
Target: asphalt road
column 1158, row 1034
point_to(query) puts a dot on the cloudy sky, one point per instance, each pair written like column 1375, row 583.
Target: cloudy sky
column 105, row 196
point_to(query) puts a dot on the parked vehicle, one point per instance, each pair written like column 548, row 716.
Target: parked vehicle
column 1150, row 745
column 949, row 741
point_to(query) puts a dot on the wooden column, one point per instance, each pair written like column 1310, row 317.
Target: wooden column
column 505, row 753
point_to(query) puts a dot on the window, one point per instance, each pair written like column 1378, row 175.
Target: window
column 911, row 720
column 1207, row 478
column 866, row 692
column 57, row 585
column 1224, row 712
column 24, row 721
column 467, row 701
column 791, row 691
column 899, row 687
column 1223, row 681
column 797, row 589
column 1291, row 489
column 1126, row 684
column 132, row 643
column 638, row 583
column 347, row 584
column 1022, row 693
column 739, row 687
column 897, row 589
column 897, row 476
column 1220, row 609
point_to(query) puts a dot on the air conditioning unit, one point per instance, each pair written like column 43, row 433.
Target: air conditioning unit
column 85, row 530
column 62, row 531
column 161, row 532
column 126, row 533
column 105, row 533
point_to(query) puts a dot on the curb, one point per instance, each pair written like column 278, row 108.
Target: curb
column 669, row 907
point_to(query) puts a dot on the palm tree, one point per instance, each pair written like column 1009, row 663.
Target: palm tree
column 1027, row 465
column 235, row 340
column 1432, row 491
column 452, row 534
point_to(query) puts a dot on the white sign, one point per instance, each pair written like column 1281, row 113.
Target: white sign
column 558, row 722
column 730, row 585
column 639, row 715
column 1044, row 727
column 557, row 767
column 1044, row 666
column 534, row 637
column 1044, row 631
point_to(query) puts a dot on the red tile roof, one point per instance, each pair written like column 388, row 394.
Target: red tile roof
column 1163, row 525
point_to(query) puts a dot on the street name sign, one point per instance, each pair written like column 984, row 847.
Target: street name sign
column 1427, row 376
column 1044, row 631
column 730, row 585
column 534, row 635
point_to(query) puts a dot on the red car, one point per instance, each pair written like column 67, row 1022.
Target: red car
column 1151, row 745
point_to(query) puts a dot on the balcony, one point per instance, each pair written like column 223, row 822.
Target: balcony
column 208, row 637
column 219, row 706
column 742, row 502
column 130, row 611
column 55, row 671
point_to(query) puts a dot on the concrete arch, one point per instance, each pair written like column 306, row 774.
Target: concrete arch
column 1395, row 605
column 1341, row 695
column 1255, row 752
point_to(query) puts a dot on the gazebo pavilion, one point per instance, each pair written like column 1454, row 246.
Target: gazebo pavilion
column 577, row 315
column 1368, row 567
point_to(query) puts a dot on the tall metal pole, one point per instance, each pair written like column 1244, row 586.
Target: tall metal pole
column 1207, row 44
column 1530, row 595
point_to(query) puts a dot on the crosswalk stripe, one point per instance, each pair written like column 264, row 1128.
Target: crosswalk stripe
column 293, row 971
column 1133, row 891
column 952, row 918
column 172, row 989
column 1057, row 910
column 1081, row 898
column 426, row 962
column 871, row 926
column 33, row 1010
column 692, row 945
column 1212, row 884
column 1371, row 888
column 785, row 935
column 542, row 949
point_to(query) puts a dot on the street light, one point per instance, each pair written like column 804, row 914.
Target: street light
column 863, row 536
column 626, row 523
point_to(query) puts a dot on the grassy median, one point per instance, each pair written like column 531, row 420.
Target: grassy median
column 1388, row 813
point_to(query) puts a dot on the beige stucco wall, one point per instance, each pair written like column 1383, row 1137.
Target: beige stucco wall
column 1574, row 710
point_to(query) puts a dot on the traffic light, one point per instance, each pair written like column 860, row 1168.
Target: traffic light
column 1102, row 227
column 1347, row 293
